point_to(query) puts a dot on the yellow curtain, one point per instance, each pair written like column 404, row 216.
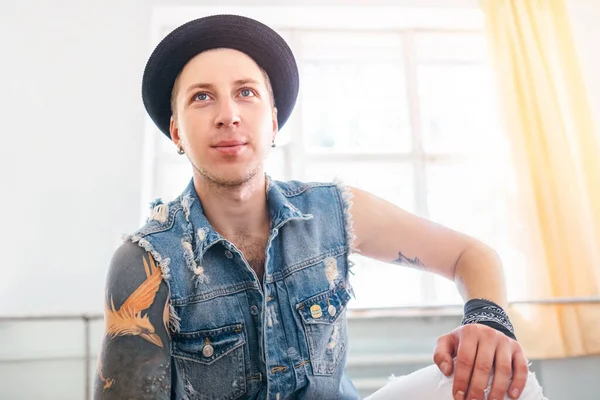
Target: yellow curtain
column 556, row 154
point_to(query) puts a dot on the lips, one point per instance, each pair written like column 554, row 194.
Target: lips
column 230, row 147
column 230, row 143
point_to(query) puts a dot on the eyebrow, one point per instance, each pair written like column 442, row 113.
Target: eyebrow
column 238, row 82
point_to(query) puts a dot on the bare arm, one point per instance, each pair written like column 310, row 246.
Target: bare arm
column 134, row 362
column 387, row 233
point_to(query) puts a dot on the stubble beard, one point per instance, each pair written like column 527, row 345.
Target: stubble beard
column 224, row 183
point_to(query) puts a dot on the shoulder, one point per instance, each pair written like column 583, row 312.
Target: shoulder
column 127, row 255
column 293, row 188
column 162, row 216
column 326, row 196
column 130, row 266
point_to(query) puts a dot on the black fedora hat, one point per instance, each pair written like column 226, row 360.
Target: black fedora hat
column 261, row 43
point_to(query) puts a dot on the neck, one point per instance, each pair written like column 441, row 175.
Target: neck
column 235, row 210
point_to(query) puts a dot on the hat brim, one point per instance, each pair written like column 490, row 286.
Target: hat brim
column 261, row 43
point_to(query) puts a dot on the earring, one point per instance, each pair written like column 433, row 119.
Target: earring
column 273, row 144
column 180, row 151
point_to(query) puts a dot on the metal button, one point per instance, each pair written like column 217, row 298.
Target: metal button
column 315, row 311
column 331, row 310
column 208, row 351
column 228, row 254
column 254, row 310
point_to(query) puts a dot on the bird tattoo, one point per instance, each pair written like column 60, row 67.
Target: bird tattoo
column 108, row 382
column 128, row 319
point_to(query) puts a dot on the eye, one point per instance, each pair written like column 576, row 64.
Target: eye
column 246, row 92
column 201, row 96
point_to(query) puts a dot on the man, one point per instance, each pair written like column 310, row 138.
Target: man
column 238, row 288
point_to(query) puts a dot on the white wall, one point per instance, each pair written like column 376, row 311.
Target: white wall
column 70, row 159
column 72, row 126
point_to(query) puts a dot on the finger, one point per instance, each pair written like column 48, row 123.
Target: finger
column 444, row 353
column 465, row 359
column 502, row 372
column 520, row 374
column 484, row 361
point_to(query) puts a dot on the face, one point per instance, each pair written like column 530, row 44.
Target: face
column 224, row 118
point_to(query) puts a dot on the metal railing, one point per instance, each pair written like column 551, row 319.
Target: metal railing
column 88, row 318
column 85, row 318
column 454, row 309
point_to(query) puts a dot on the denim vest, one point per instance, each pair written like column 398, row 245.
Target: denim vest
column 235, row 339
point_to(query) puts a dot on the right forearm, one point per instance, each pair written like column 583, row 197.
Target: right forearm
column 121, row 376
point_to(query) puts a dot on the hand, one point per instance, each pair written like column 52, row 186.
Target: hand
column 479, row 349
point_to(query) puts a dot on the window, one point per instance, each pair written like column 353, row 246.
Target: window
column 407, row 114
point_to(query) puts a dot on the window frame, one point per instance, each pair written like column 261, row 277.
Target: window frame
column 294, row 21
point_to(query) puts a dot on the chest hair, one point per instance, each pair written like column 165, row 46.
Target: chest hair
column 253, row 249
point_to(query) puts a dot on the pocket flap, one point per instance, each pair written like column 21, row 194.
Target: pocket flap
column 207, row 346
column 324, row 308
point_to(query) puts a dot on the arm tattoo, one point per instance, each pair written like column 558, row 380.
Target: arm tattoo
column 134, row 362
column 412, row 262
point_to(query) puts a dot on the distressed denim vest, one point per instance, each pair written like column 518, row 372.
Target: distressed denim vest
column 233, row 338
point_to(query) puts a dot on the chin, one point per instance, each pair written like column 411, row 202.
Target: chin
column 231, row 178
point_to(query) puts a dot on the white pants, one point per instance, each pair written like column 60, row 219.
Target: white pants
column 430, row 384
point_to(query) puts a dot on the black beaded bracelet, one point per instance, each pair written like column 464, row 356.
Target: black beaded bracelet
column 486, row 312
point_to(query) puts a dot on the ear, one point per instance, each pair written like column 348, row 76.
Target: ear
column 174, row 131
column 275, row 123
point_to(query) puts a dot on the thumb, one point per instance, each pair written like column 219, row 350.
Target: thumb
column 444, row 353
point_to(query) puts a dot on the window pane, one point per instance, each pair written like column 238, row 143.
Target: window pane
column 390, row 181
column 355, row 107
column 353, row 94
column 457, row 108
column 445, row 291
column 379, row 285
column 470, row 197
column 461, row 47
column 350, row 46
column 164, row 145
column 172, row 177
column 275, row 164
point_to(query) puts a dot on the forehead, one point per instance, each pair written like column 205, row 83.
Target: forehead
column 219, row 65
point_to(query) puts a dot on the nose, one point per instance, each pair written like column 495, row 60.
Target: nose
column 227, row 115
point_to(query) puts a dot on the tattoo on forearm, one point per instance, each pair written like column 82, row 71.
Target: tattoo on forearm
column 413, row 262
column 134, row 377
column 107, row 382
column 134, row 362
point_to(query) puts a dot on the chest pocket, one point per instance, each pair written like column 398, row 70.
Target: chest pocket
column 211, row 362
column 325, row 328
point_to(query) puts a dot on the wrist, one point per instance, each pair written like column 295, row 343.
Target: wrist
column 486, row 312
